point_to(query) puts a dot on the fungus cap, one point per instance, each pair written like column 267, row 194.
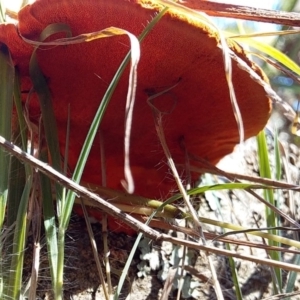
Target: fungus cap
column 181, row 52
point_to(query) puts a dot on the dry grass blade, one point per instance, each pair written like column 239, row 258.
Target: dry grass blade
column 286, row 109
column 95, row 252
column 278, row 66
column 269, row 182
column 218, row 9
column 135, row 55
column 218, row 251
column 275, row 209
column 168, row 284
column 160, row 132
column 12, row 14
column 158, row 115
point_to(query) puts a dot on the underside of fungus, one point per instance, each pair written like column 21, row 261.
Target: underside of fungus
column 181, row 63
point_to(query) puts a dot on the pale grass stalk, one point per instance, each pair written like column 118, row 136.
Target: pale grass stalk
column 290, row 200
column 230, row 253
column 34, row 271
column 168, row 284
column 160, row 133
column 181, row 279
column 185, row 249
column 106, row 254
column 95, row 250
column 36, row 228
column 104, row 220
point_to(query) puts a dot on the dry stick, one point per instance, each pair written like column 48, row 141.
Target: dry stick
column 270, row 182
column 258, row 260
column 217, row 171
column 129, row 220
column 218, row 9
column 78, row 189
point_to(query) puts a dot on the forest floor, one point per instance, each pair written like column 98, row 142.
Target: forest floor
column 154, row 263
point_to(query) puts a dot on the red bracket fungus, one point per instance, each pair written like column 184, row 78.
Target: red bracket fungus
column 180, row 52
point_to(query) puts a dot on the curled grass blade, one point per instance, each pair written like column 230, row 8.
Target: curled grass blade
column 108, row 32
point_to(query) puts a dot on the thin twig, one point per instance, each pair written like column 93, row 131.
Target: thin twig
column 233, row 178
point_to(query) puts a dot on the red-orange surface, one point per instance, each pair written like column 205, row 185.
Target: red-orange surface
column 180, row 49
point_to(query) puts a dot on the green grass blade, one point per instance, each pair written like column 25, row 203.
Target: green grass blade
column 2, row 12
column 13, row 175
column 89, row 141
column 217, row 187
column 50, row 128
column 132, row 253
column 49, row 121
column 49, row 221
column 13, row 288
column 17, row 170
column 6, row 101
column 41, row 88
column 20, row 116
column 292, row 277
column 235, row 279
column 271, row 218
